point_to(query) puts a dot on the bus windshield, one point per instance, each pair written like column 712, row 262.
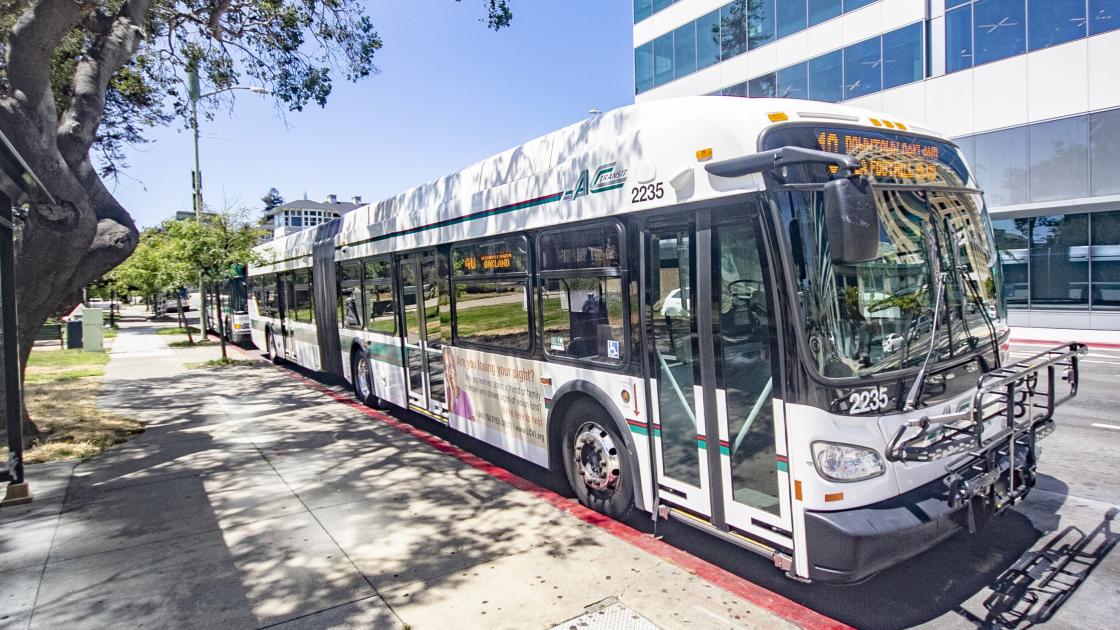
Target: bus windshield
column 878, row 316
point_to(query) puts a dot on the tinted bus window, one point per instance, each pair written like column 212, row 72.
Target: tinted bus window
column 378, row 290
column 491, row 284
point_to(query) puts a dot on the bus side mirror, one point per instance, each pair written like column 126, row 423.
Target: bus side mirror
column 851, row 220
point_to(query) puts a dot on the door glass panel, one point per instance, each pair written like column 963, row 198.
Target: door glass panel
column 434, row 304
column 744, row 360
column 409, row 293
column 674, row 328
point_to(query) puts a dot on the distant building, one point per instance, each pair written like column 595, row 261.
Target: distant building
column 301, row 214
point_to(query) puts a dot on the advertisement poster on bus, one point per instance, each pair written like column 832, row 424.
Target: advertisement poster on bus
column 497, row 399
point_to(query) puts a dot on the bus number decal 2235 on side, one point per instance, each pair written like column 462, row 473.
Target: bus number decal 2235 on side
column 868, row 400
column 647, row 192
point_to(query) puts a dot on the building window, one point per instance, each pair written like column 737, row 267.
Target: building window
column 684, row 50
column 863, row 68
column 792, row 17
column 1013, row 243
column 1104, row 15
column 1060, row 261
column 852, row 5
column 999, row 29
column 761, row 87
column 958, row 39
column 902, row 56
column 643, row 67
column 826, row 77
column 707, row 40
column 759, row 21
column 1059, row 159
column 1001, row 166
column 733, row 30
column 663, row 59
column 1105, row 256
column 1054, row 22
column 792, row 82
column 1104, row 153
column 823, row 10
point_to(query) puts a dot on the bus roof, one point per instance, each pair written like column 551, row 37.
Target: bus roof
column 565, row 172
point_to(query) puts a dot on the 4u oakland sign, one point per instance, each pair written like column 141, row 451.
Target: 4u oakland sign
column 607, row 177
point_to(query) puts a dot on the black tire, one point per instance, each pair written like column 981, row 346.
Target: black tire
column 270, row 349
column 610, row 491
column 361, row 379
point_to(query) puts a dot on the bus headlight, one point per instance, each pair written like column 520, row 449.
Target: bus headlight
column 844, row 462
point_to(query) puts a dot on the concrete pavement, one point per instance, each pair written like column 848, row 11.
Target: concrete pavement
column 252, row 500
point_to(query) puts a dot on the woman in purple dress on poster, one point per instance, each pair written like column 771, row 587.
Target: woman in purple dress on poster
column 458, row 401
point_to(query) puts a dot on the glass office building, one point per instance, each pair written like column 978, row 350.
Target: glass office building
column 1028, row 88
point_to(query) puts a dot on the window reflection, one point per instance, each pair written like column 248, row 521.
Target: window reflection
column 863, row 68
column 1054, row 22
column 902, row 56
column 1105, row 255
column 1104, row 152
column 1060, row 261
column 760, row 22
column 791, row 16
column 1001, row 166
column 958, row 39
column 1059, row 159
column 1104, row 15
column 999, row 29
column 826, row 78
column 1013, row 243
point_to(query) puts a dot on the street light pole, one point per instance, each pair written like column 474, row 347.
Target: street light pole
column 194, row 97
column 196, row 181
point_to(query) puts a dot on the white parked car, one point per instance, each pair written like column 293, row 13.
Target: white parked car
column 892, row 342
column 673, row 306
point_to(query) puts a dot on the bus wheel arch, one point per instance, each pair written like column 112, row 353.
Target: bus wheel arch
column 270, row 345
column 580, row 397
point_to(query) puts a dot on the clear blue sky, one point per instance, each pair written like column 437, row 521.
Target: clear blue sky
column 450, row 93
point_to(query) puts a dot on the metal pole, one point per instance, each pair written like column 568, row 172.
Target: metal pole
column 17, row 491
column 193, row 90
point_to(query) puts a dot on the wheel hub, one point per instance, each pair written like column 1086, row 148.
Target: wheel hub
column 363, row 377
column 596, row 458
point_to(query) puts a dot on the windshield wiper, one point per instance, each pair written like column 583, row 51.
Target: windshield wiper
column 979, row 301
column 935, row 327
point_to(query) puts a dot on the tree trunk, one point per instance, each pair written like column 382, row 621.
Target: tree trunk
column 179, row 303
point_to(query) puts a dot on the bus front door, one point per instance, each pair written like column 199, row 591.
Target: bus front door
column 424, row 308
column 720, row 445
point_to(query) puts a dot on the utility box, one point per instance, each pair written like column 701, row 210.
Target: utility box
column 93, row 330
column 74, row 335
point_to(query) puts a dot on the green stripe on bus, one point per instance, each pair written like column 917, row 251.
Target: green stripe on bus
column 783, row 466
column 639, row 430
column 520, row 205
column 723, row 450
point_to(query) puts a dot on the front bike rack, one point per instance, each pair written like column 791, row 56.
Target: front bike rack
column 997, row 435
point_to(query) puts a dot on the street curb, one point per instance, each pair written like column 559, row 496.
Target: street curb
column 768, row 600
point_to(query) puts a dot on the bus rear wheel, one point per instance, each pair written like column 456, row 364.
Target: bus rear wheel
column 362, row 376
column 596, row 461
column 271, row 348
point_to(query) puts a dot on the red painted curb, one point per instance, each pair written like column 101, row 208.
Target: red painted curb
column 757, row 595
column 1092, row 344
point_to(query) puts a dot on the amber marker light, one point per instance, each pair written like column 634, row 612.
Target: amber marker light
column 777, row 116
column 704, row 155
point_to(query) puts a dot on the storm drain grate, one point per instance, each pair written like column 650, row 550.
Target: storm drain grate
column 608, row 614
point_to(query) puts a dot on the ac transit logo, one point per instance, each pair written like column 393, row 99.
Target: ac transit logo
column 607, row 177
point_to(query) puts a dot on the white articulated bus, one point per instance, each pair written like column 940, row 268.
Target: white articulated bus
column 779, row 321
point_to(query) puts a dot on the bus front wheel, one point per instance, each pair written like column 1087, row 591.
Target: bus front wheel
column 596, row 461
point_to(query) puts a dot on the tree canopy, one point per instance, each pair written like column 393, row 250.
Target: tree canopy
column 80, row 80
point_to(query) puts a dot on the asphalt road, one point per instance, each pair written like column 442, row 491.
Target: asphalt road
column 1047, row 562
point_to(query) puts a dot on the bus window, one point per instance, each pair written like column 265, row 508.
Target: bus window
column 349, row 278
column 491, row 293
column 378, row 288
column 303, row 306
column 582, row 305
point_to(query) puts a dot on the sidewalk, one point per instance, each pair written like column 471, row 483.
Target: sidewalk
column 254, row 500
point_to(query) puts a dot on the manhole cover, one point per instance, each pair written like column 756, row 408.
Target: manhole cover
column 607, row 616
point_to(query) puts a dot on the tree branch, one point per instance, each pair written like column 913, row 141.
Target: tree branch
column 31, row 45
column 110, row 51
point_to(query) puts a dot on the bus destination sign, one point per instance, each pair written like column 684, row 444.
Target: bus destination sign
column 885, row 158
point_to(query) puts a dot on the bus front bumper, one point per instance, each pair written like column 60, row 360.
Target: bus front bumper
column 850, row 546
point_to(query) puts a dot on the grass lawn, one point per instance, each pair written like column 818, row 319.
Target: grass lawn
column 178, row 330
column 61, row 390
